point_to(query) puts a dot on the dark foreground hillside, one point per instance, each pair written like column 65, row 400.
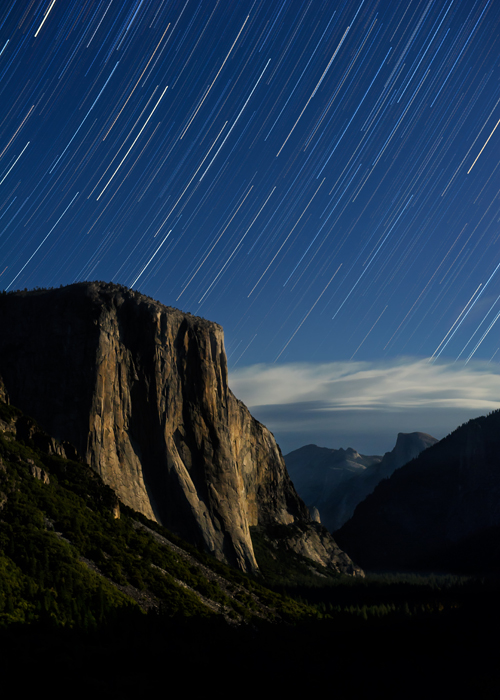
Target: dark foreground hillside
column 73, row 556
column 451, row 655
column 90, row 601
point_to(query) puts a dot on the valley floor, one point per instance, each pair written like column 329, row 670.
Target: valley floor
column 454, row 655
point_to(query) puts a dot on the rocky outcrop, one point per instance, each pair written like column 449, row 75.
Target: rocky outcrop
column 315, row 543
column 37, row 472
column 141, row 390
column 3, row 392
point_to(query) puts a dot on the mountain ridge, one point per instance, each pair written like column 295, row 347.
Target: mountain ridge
column 334, row 481
column 439, row 511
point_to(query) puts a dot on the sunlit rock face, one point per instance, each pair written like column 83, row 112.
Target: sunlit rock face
column 141, row 390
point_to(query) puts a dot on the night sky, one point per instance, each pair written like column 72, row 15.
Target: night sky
column 320, row 178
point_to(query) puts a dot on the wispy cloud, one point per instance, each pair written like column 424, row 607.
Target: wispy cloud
column 361, row 400
column 355, row 385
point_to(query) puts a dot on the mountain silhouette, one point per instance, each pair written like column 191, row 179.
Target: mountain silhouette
column 440, row 511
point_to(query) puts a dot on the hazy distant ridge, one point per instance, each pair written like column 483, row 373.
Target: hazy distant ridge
column 335, row 481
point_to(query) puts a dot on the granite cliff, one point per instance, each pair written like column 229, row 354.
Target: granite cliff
column 141, row 391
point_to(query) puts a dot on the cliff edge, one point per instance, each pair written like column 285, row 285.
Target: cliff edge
column 140, row 389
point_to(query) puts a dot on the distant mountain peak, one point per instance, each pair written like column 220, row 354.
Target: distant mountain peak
column 440, row 509
column 335, row 481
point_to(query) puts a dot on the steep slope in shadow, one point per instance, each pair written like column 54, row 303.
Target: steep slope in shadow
column 438, row 511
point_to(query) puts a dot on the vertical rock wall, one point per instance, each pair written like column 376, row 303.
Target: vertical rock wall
column 141, row 391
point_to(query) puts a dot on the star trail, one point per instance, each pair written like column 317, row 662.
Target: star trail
column 320, row 178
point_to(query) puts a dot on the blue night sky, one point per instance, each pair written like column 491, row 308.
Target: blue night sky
column 320, row 178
